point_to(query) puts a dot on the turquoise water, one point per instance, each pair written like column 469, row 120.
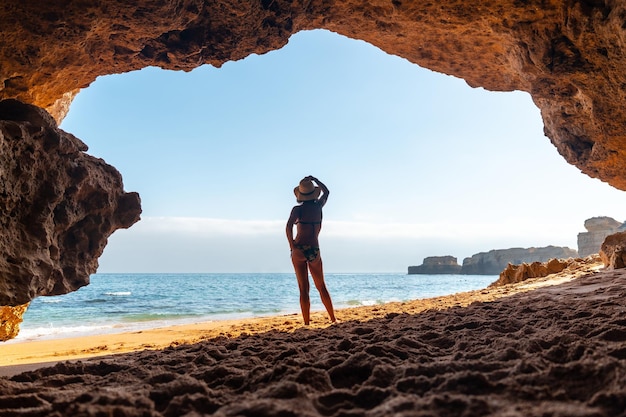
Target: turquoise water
column 125, row 302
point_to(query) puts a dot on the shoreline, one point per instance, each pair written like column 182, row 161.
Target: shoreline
column 22, row 355
column 121, row 305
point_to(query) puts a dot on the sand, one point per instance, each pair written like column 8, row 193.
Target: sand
column 554, row 346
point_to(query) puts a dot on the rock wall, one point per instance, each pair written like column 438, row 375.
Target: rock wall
column 495, row 261
column 434, row 265
column 58, row 206
column 598, row 228
column 569, row 55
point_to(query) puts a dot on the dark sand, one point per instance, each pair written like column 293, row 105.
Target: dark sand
column 546, row 350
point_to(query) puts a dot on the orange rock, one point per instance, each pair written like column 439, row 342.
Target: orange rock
column 10, row 319
column 518, row 273
column 613, row 251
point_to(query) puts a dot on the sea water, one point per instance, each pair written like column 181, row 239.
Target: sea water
column 114, row 303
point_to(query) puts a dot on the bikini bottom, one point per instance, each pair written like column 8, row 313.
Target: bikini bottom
column 310, row 252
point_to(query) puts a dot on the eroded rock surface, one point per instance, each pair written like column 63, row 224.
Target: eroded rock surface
column 58, row 206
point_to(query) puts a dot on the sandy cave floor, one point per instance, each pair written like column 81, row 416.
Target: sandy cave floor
column 554, row 346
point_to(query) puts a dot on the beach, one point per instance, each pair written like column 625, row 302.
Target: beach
column 547, row 346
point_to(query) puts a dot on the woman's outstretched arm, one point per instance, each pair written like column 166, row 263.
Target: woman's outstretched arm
column 325, row 192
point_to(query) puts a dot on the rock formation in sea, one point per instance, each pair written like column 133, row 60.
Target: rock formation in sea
column 434, row 265
column 495, row 261
column 598, row 228
column 569, row 56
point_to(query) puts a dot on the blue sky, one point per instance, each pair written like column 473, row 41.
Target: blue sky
column 418, row 163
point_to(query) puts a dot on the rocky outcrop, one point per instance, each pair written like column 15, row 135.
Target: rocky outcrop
column 613, row 251
column 434, row 265
column 10, row 319
column 570, row 56
column 58, row 206
column 518, row 273
column 598, row 228
column 495, row 261
column 572, row 266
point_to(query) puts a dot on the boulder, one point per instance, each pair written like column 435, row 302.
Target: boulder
column 613, row 251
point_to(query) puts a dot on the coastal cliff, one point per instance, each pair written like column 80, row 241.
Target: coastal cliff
column 492, row 262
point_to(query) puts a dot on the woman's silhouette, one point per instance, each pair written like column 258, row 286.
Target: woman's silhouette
column 312, row 195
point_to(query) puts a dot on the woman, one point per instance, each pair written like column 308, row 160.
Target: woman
column 305, row 248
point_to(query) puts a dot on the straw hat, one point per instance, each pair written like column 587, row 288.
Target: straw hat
column 306, row 191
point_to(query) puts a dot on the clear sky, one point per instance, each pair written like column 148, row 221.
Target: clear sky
column 418, row 163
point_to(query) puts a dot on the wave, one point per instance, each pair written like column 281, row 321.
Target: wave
column 363, row 302
column 51, row 332
column 96, row 300
column 118, row 293
column 47, row 300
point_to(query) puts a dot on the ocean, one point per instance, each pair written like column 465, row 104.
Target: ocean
column 114, row 303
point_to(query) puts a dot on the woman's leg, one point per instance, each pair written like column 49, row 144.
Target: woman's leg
column 317, row 273
column 302, row 274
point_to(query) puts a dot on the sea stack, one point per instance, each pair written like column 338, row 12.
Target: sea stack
column 434, row 265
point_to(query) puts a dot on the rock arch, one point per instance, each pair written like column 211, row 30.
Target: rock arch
column 569, row 55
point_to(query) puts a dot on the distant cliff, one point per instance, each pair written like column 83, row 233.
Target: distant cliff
column 434, row 265
column 598, row 228
column 495, row 261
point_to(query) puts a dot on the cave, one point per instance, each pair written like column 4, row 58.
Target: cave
column 61, row 204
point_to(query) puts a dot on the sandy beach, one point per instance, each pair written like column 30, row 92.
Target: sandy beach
column 548, row 346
